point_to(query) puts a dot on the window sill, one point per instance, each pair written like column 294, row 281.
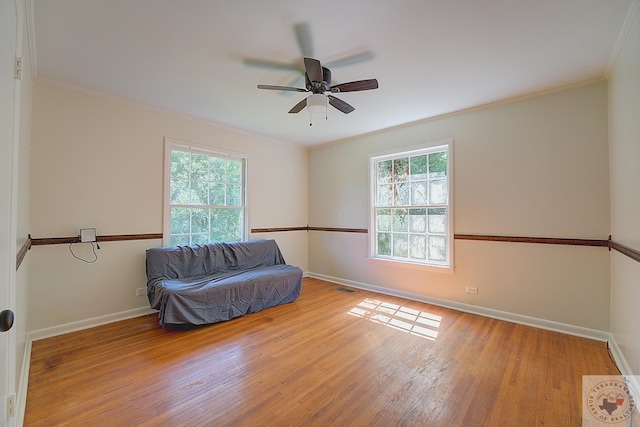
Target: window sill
column 431, row 268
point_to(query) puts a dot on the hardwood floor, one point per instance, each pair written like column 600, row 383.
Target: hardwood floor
column 330, row 358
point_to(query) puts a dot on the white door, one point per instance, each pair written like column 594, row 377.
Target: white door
column 8, row 37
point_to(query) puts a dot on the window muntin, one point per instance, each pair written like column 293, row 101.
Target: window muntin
column 206, row 197
column 411, row 213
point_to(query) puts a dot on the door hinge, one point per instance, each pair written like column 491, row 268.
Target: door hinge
column 11, row 405
column 18, row 74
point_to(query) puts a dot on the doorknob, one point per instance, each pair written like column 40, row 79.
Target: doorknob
column 6, row 320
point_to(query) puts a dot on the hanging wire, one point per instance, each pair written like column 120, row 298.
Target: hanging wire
column 93, row 248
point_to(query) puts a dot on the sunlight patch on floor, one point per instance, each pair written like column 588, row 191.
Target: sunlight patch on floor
column 405, row 319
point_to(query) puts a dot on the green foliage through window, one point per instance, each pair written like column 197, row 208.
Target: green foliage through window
column 206, row 198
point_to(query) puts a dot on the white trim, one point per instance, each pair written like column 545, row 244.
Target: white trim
column 31, row 36
column 625, row 369
column 79, row 325
column 474, row 309
column 632, row 14
column 205, row 149
column 21, row 398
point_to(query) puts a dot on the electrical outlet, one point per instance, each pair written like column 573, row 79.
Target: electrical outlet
column 471, row 290
column 141, row 292
column 11, row 405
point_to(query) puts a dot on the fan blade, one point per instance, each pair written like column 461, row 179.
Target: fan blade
column 271, row 65
column 349, row 60
column 299, row 106
column 355, row 86
column 287, row 88
column 303, row 35
column 314, row 69
column 340, row 104
column 298, row 81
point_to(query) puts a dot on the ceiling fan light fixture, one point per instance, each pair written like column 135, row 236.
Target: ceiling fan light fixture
column 317, row 103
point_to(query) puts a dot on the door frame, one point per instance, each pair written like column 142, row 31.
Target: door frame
column 9, row 143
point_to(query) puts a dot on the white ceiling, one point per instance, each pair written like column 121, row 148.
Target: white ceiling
column 430, row 57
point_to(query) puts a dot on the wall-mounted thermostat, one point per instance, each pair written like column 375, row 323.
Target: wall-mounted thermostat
column 87, row 235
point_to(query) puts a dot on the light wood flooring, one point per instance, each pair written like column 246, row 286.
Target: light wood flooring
column 330, row 358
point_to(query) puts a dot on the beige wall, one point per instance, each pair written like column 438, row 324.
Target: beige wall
column 98, row 162
column 624, row 122
column 533, row 167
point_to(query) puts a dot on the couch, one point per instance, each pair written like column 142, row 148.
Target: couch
column 203, row 284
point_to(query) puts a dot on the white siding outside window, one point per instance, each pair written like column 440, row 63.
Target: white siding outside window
column 411, row 206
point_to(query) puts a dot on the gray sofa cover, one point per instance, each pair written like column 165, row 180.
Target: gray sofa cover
column 202, row 284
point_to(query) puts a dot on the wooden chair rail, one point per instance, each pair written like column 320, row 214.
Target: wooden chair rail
column 544, row 240
column 23, row 252
column 107, row 238
column 625, row 250
column 630, row 252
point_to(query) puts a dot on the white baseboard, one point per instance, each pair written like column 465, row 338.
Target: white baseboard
column 633, row 380
column 24, row 383
column 88, row 323
column 474, row 309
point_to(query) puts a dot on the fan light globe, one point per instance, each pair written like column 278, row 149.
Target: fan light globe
column 316, row 103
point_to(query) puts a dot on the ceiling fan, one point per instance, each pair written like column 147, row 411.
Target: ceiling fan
column 305, row 44
column 318, row 81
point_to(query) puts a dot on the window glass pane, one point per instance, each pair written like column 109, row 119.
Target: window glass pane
column 438, row 192
column 199, row 167
column 385, row 171
column 437, row 248
column 216, row 194
column 419, row 193
column 417, row 246
column 384, row 243
column 400, row 245
column 384, row 220
column 384, row 195
column 180, row 163
column 180, row 221
column 234, row 171
column 438, row 165
column 401, row 169
column 200, row 220
column 179, row 191
column 180, row 240
column 402, row 194
column 400, row 220
column 438, row 220
column 234, row 222
column 419, row 167
column 234, row 195
column 199, row 239
column 217, row 169
column 226, row 225
column 199, row 193
column 417, row 220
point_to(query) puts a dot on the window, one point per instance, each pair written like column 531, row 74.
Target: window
column 205, row 195
column 411, row 210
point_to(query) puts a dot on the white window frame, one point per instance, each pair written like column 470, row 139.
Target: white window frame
column 408, row 152
column 171, row 144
